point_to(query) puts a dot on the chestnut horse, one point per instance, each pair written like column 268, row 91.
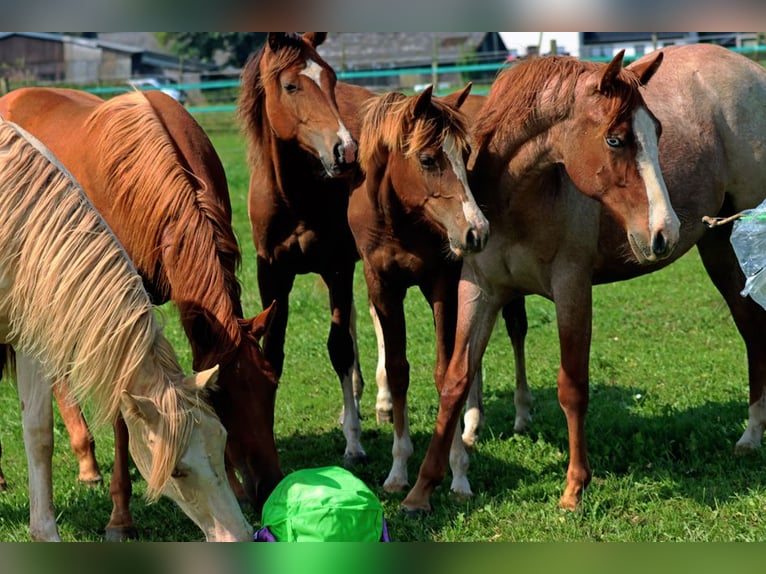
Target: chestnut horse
column 547, row 122
column 151, row 171
column 72, row 305
column 303, row 164
column 413, row 218
column 711, row 156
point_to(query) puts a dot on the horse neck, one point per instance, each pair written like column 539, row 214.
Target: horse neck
column 212, row 328
column 518, row 151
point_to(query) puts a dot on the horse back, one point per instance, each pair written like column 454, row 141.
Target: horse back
column 711, row 103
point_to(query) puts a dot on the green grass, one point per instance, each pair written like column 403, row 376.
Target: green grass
column 668, row 401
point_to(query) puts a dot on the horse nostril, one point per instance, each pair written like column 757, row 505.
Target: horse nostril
column 472, row 240
column 659, row 245
column 338, row 152
column 345, row 153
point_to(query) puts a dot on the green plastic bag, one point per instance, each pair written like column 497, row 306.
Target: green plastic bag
column 326, row 504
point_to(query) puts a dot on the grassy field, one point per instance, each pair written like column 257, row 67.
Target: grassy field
column 669, row 399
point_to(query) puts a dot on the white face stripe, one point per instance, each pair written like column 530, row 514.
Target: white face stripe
column 471, row 210
column 314, row 71
column 661, row 214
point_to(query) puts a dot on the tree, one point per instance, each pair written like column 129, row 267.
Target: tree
column 204, row 45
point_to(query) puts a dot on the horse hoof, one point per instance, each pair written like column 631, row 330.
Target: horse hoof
column 469, row 442
column 91, row 482
column 121, row 534
column 395, row 487
column 353, row 460
column 745, row 448
column 384, row 416
column 414, row 513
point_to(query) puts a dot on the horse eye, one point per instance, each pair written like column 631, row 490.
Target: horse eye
column 290, row 88
column 427, row 161
column 614, row 141
column 179, row 473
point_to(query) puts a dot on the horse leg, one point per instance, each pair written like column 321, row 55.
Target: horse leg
column 475, row 321
column 723, row 268
column 384, row 407
column 341, row 349
column 442, row 296
column 357, row 381
column 274, row 285
column 80, row 438
column 120, row 526
column 387, row 306
column 3, row 484
column 515, row 317
column 573, row 314
column 37, row 420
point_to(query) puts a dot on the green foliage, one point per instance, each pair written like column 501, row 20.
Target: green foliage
column 668, row 401
column 204, row 45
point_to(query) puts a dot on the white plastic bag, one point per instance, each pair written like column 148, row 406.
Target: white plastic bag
column 748, row 238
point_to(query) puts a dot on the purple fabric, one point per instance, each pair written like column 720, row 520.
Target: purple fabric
column 264, row 535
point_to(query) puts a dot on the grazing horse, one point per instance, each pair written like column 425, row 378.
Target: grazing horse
column 413, row 218
column 73, row 305
column 550, row 124
column 303, row 165
column 151, row 171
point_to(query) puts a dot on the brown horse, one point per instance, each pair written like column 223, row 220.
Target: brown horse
column 152, row 172
column 303, row 165
column 413, row 218
column 712, row 166
column 72, row 305
column 548, row 122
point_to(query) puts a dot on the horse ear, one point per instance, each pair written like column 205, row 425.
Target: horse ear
column 457, row 99
column 646, row 70
column 202, row 380
column 315, row 38
column 140, row 408
column 259, row 325
column 423, row 102
column 611, row 72
column 276, row 40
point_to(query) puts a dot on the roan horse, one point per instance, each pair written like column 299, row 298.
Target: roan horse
column 413, row 218
column 303, row 163
column 151, row 171
column 548, row 124
column 711, row 103
column 73, row 305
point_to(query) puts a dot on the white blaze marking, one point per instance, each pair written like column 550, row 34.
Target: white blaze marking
column 661, row 214
column 471, row 211
column 314, row 71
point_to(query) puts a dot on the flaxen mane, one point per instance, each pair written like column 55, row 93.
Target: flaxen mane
column 74, row 301
column 389, row 125
column 154, row 194
column 548, row 83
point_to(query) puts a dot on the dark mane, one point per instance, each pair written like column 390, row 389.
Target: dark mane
column 546, row 83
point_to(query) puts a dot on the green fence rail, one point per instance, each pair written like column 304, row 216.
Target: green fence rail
column 430, row 71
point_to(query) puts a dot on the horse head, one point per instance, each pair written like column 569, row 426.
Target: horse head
column 177, row 443
column 416, row 148
column 248, row 384
column 610, row 150
column 297, row 88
